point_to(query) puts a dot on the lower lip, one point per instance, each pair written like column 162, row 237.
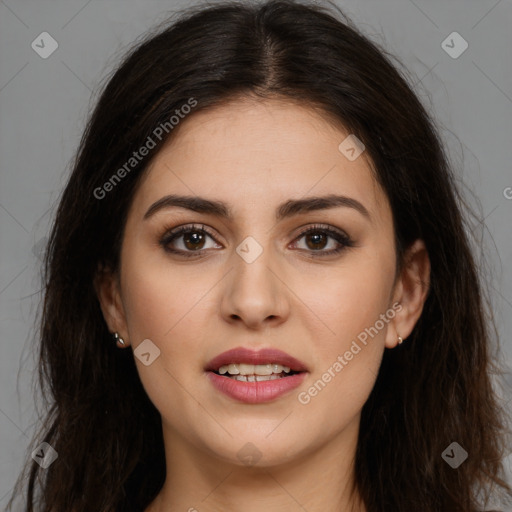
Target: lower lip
column 256, row 392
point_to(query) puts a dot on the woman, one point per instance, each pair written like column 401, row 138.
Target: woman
column 259, row 289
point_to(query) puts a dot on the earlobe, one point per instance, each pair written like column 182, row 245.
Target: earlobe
column 107, row 287
column 411, row 292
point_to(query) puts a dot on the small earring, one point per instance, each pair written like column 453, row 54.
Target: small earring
column 400, row 340
column 118, row 339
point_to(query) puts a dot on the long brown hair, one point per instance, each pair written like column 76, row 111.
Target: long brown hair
column 431, row 391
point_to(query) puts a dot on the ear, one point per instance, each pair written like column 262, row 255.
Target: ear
column 107, row 286
column 411, row 290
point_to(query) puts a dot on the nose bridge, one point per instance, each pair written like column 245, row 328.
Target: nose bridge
column 252, row 260
column 254, row 292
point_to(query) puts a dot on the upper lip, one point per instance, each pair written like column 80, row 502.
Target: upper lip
column 263, row 356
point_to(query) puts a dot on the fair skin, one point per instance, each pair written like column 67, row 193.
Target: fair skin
column 254, row 156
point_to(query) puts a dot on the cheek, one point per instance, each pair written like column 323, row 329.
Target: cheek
column 156, row 295
column 350, row 300
column 163, row 305
column 149, row 306
column 354, row 310
column 169, row 306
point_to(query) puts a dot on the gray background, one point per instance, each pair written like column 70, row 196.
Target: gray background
column 44, row 104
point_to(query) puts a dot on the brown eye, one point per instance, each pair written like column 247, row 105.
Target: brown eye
column 317, row 239
column 187, row 240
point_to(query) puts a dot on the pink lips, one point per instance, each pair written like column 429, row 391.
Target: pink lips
column 255, row 392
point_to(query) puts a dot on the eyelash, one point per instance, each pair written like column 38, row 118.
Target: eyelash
column 343, row 239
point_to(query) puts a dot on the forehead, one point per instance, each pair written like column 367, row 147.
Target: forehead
column 260, row 151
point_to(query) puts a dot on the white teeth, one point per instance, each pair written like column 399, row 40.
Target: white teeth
column 256, row 378
column 263, row 369
column 232, row 369
column 245, row 369
column 253, row 369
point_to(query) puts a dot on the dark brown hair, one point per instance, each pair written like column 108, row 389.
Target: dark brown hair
column 432, row 390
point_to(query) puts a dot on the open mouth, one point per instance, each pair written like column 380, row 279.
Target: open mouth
column 255, row 377
column 255, row 373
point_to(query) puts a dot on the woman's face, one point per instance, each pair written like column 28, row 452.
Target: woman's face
column 252, row 280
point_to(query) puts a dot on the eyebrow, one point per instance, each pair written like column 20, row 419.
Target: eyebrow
column 287, row 209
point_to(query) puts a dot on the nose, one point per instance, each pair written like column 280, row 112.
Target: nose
column 255, row 292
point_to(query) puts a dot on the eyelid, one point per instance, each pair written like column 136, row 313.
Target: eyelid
column 321, row 227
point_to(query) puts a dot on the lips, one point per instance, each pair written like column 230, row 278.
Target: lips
column 264, row 356
column 250, row 391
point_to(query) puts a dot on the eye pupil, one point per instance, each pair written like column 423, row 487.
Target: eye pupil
column 318, row 239
column 193, row 237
